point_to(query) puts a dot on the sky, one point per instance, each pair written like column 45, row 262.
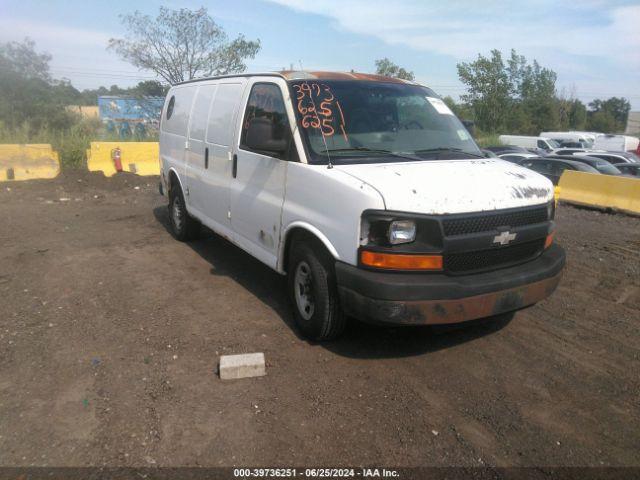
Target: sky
column 593, row 45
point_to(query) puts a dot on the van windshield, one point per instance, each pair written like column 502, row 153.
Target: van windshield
column 372, row 122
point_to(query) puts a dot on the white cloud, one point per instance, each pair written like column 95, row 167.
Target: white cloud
column 463, row 28
column 77, row 53
column 46, row 34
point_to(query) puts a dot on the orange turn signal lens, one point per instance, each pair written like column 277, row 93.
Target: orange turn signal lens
column 549, row 240
column 396, row 261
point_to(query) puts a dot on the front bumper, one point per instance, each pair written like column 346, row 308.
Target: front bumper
column 427, row 298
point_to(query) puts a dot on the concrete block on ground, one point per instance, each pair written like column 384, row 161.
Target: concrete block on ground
column 242, row 366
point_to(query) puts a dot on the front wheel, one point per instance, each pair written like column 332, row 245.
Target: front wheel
column 313, row 294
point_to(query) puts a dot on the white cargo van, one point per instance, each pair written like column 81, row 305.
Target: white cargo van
column 616, row 143
column 366, row 191
column 529, row 142
column 584, row 141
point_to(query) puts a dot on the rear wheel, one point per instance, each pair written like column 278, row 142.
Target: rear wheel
column 183, row 226
column 313, row 292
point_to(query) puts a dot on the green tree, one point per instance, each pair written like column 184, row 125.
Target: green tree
column 538, row 97
column 515, row 95
column 386, row 67
column 21, row 59
column 602, row 112
column 602, row 121
column 572, row 112
column 27, row 92
column 462, row 110
column 179, row 45
column 150, row 88
column 488, row 90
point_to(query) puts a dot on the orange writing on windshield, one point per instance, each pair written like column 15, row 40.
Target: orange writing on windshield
column 316, row 105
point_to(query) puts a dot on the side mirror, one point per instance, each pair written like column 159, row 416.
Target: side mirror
column 260, row 137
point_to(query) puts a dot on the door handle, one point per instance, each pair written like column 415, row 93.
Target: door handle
column 206, row 157
column 234, row 167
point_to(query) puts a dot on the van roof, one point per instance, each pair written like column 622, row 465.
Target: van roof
column 311, row 75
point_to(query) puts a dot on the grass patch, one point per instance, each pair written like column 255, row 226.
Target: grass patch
column 490, row 140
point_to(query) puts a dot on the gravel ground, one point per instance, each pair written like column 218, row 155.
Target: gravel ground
column 110, row 334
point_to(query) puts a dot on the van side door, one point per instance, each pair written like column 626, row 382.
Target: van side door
column 195, row 155
column 260, row 166
column 222, row 130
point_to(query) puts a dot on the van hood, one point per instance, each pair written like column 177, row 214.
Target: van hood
column 453, row 186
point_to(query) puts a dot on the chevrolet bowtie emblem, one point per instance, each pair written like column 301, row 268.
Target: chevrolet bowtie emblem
column 504, row 238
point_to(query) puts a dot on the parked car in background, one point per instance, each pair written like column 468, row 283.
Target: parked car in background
column 499, row 149
column 489, row 153
column 611, row 157
column 600, row 165
column 571, row 151
column 553, row 168
column 565, row 138
column 516, row 157
column 543, row 143
column 630, row 169
column 617, row 143
column 590, row 135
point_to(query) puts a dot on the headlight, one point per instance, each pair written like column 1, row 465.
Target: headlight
column 402, row 231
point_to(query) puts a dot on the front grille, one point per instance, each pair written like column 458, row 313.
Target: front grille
column 483, row 222
column 494, row 258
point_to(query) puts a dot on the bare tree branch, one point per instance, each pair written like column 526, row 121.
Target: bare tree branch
column 180, row 45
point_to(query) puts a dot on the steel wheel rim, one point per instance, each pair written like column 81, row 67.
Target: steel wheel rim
column 302, row 284
column 177, row 214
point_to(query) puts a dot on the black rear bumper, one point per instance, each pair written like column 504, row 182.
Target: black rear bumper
column 428, row 298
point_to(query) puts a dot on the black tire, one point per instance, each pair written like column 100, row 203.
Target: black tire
column 325, row 320
column 183, row 226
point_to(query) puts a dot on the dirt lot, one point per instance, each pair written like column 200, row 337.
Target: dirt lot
column 110, row 333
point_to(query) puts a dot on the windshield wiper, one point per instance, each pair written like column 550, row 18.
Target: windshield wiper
column 374, row 150
column 448, row 149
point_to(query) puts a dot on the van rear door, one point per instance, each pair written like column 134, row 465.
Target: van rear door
column 175, row 122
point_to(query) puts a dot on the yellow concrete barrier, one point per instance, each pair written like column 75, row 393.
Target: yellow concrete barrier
column 601, row 191
column 28, row 161
column 142, row 158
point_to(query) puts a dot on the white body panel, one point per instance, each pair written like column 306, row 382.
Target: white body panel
column 616, row 143
column 526, row 142
column 270, row 197
column 569, row 136
column 331, row 201
column 220, row 136
column 195, row 150
column 173, row 137
column 454, row 186
column 590, row 135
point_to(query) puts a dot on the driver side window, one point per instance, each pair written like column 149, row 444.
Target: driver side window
column 265, row 127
